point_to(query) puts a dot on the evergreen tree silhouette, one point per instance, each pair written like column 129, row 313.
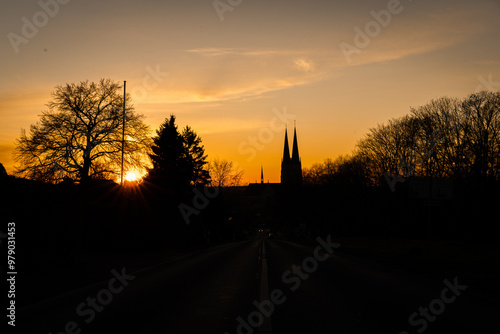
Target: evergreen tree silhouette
column 178, row 158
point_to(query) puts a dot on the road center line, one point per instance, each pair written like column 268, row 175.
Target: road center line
column 266, row 326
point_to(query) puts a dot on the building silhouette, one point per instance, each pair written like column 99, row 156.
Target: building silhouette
column 291, row 167
column 267, row 204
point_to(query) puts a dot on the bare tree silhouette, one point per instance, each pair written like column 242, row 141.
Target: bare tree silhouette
column 80, row 135
column 444, row 138
column 224, row 174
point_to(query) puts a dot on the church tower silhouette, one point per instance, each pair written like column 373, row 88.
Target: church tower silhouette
column 291, row 168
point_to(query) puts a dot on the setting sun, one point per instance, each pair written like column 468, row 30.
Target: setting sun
column 131, row 176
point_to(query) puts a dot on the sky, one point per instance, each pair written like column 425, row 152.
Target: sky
column 239, row 71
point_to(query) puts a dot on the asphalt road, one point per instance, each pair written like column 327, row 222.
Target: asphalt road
column 223, row 289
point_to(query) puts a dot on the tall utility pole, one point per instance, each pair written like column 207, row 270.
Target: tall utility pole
column 123, row 129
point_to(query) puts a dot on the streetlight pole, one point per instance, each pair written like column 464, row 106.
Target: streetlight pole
column 123, row 129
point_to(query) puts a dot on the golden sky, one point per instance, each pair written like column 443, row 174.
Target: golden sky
column 237, row 70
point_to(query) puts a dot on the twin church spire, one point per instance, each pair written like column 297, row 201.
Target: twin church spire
column 291, row 167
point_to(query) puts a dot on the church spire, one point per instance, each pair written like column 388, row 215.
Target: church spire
column 291, row 168
column 286, row 151
column 295, row 149
column 261, row 174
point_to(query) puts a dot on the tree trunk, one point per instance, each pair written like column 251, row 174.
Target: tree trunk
column 84, row 177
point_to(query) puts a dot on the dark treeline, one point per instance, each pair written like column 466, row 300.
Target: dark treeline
column 373, row 191
column 448, row 138
column 72, row 234
column 66, row 218
column 345, row 210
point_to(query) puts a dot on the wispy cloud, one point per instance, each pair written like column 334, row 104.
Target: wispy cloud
column 304, row 64
column 232, row 74
column 214, row 52
column 489, row 62
column 419, row 33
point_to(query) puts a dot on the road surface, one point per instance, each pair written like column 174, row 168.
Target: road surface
column 263, row 286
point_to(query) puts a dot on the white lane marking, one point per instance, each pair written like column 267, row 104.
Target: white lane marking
column 266, row 326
